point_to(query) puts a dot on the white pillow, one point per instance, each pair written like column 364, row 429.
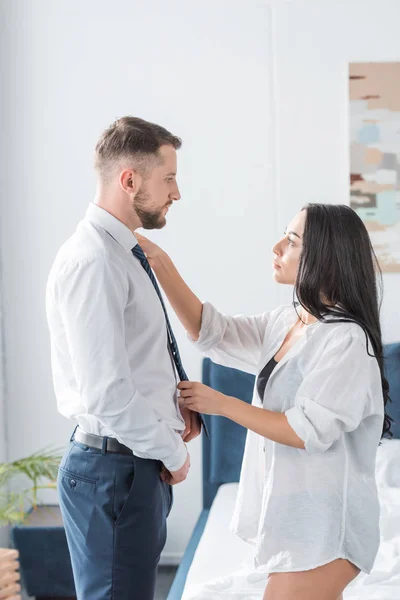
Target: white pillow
column 388, row 464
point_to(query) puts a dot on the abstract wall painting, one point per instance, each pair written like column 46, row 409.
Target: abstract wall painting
column 375, row 155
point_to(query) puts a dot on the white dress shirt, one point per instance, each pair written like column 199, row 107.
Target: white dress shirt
column 303, row 508
column 112, row 368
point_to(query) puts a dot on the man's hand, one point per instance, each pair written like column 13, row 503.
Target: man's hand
column 174, row 477
column 192, row 422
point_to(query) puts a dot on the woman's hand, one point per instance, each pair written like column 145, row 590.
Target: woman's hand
column 152, row 251
column 201, row 398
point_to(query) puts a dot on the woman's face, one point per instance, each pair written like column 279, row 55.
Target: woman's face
column 287, row 251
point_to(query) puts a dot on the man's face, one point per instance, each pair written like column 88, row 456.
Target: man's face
column 158, row 191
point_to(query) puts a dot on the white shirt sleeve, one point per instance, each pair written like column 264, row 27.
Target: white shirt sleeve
column 232, row 341
column 92, row 297
column 336, row 396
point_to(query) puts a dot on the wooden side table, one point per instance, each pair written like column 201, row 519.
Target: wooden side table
column 10, row 586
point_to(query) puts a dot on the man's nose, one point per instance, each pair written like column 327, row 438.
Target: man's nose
column 176, row 194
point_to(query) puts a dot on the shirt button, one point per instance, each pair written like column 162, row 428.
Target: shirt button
column 72, row 483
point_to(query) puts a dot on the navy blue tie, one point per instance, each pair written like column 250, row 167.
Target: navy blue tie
column 140, row 255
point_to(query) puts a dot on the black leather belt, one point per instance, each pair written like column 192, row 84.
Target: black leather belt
column 97, row 441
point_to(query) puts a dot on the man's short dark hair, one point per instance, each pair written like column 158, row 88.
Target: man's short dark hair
column 135, row 140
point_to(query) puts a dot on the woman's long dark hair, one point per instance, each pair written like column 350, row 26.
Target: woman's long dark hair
column 339, row 276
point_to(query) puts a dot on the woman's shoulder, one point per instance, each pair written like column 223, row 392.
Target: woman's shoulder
column 345, row 339
column 343, row 330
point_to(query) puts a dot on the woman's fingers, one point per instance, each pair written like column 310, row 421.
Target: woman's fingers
column 188, row 400
column 186, row 389
column 184, row 385
column 141, row 238
column 186, row 393
column 193, row 406
column 139, row 235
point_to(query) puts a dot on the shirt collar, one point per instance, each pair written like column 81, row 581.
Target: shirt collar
column 118, row 230
column 291, row 316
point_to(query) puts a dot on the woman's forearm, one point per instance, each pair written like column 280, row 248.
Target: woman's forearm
column 269, row 424
column 184, row 302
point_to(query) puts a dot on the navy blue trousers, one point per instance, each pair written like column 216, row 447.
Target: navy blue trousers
column 114, row 509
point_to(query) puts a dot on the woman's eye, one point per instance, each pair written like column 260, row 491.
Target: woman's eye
column 291, row 242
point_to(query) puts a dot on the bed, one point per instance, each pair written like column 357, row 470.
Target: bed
column 217, row 565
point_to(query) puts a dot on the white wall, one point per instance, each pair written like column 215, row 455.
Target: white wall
column 3, row 428
column 260, row 100
column 3, row 425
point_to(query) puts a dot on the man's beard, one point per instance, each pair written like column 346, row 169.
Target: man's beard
column 150, row 219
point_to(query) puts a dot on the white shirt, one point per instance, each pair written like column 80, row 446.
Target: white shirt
column 303, row 508
column 112, row 367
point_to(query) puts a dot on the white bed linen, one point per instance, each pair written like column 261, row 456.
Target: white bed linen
column 222, row 568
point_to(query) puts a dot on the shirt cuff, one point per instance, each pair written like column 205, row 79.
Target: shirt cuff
column 305, row 430
column 176, row 460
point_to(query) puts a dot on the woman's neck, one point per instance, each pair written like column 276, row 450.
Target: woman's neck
column 306, row 317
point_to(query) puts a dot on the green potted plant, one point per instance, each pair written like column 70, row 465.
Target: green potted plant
column 41, row 470
column 18, row 508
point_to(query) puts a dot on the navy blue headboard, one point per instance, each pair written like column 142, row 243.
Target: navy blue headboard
column 391, row 353
column 223, row 453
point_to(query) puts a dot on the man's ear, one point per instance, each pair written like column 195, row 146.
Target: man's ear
column 130, row 181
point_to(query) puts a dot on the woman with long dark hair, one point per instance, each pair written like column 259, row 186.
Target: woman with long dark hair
column 307, row 496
